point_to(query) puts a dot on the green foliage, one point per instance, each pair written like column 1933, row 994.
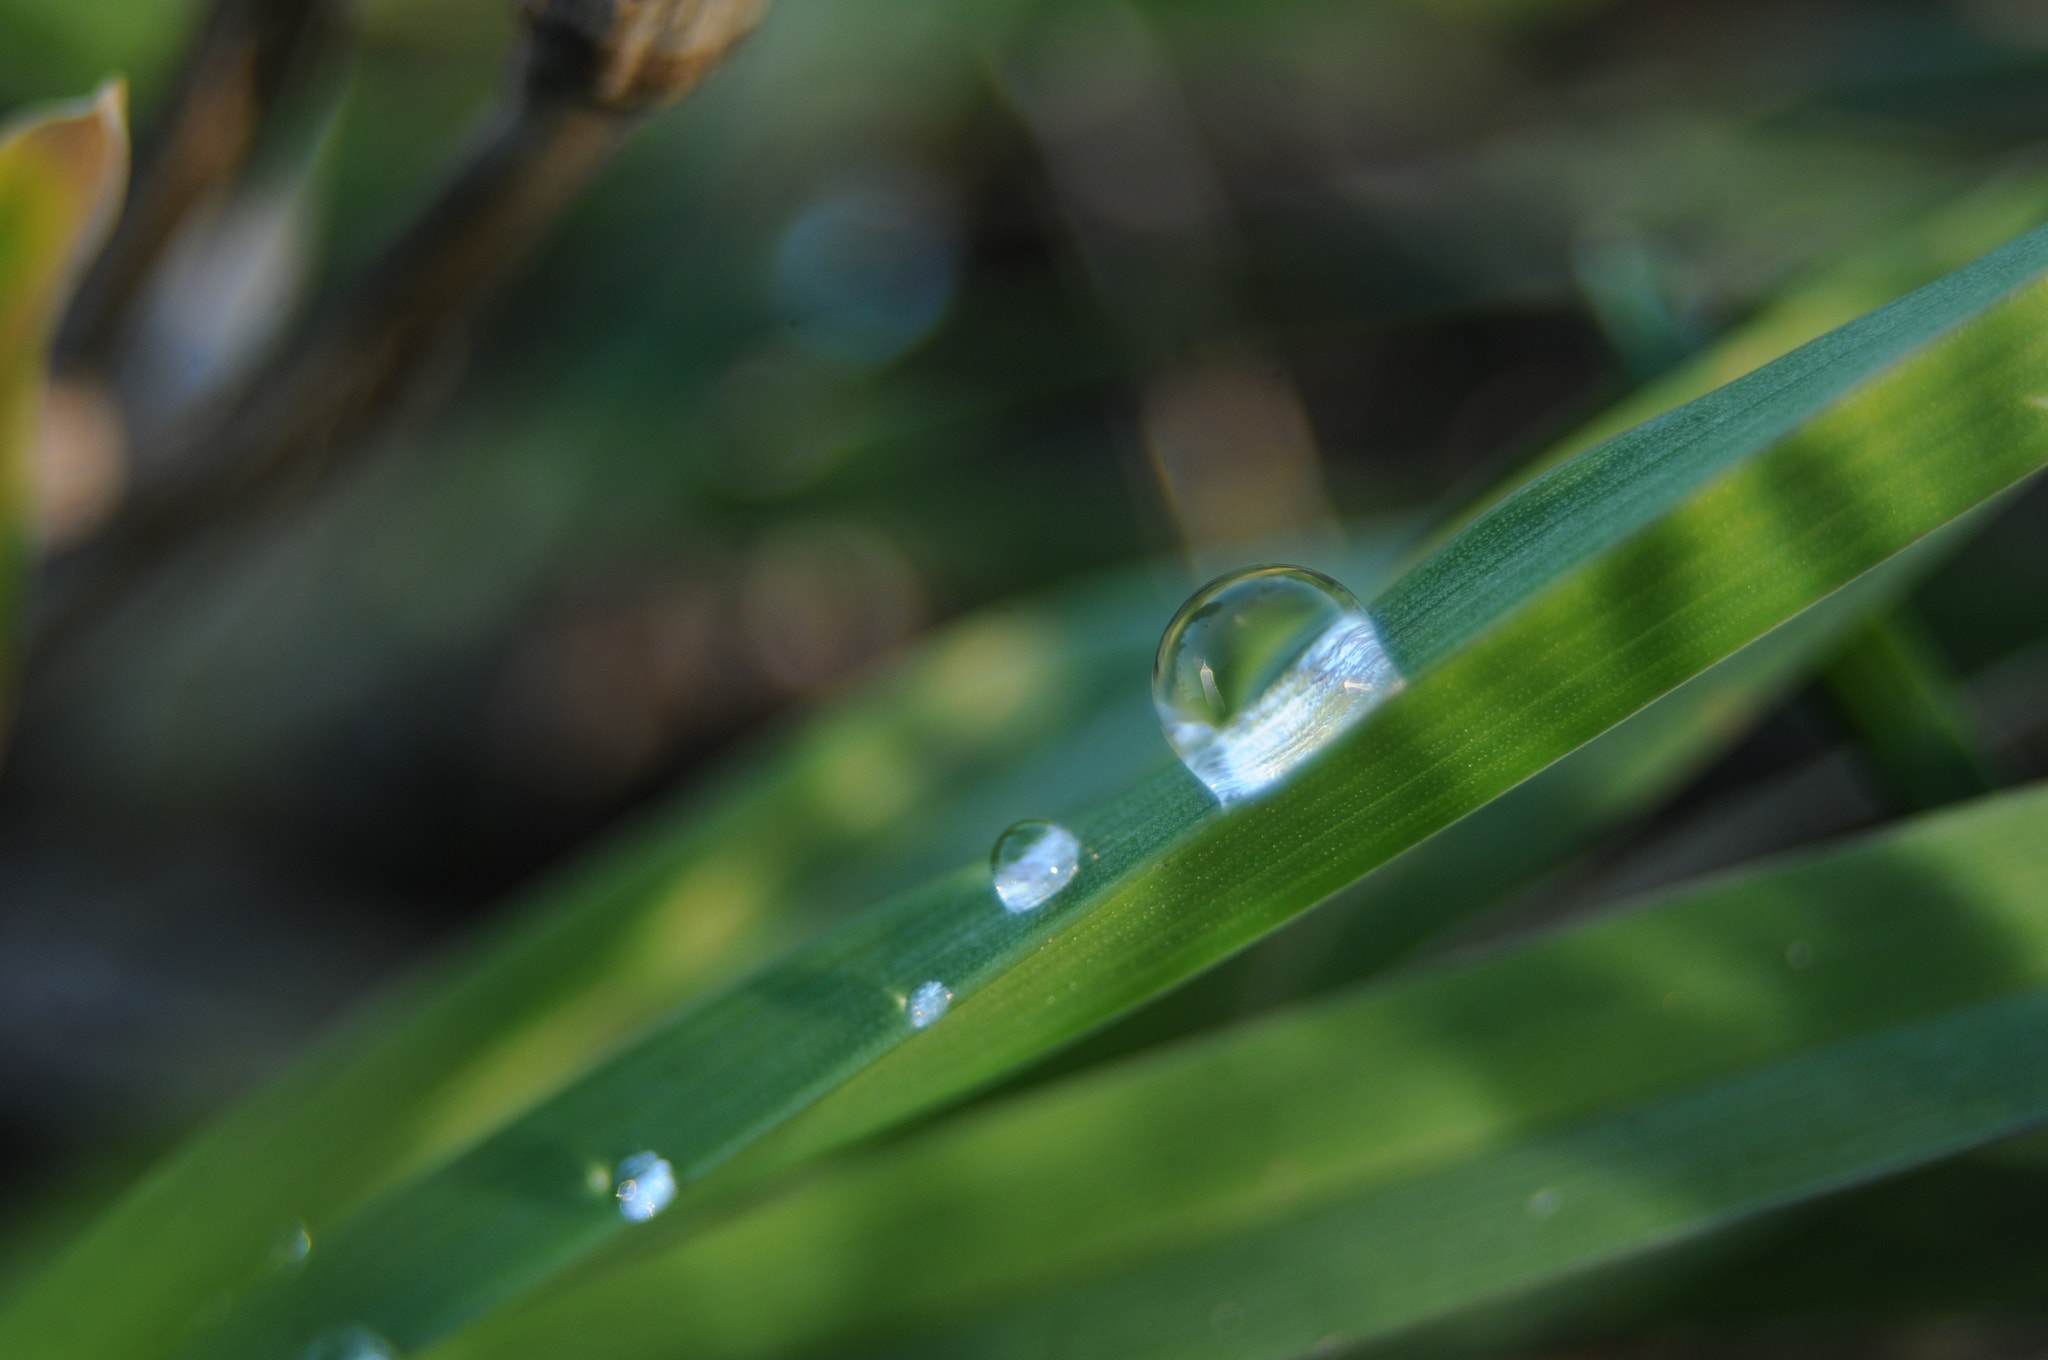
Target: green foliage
column 1553, row 617
column 1360, row 1167
column 1297, row 1076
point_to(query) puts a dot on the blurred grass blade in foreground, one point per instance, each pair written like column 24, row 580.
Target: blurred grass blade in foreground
column 62, row 172
column 1557, row 614
column 1358, row 1167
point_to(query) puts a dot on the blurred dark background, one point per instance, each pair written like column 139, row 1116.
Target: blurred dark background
column 915, row 305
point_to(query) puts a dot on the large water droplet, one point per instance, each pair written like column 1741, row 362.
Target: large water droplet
column 647, row 1183
column 928, row 1003
column 350, row 1343
column 1260, row 669
column 1032, row 861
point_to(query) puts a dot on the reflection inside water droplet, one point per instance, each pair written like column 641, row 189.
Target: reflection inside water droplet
column 646, row 1185
column 1032, row 861
column 1259, row 670
column 928, row 1003
column 350, row 1343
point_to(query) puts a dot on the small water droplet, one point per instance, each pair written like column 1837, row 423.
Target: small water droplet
column 1799, row 954
column 293, row 1245
column 928, row 1003
column 1032, row 861
column 647, row 1183
column 1543, row 1204
column 1260, row 669
column 350, row 1343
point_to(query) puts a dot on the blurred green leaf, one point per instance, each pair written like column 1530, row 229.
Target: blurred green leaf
column 1353, row 1169
column 62, row 172
column 1560, row 612
column 1891, row 686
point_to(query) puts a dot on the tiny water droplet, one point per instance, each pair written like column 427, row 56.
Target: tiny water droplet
column 349, row 1343
column 1259, row 670
column 1543, row 1204
column 1799, row 954
column 646, row 1185
column 1032, row 862
column 293, row 1245
column 928, row 1003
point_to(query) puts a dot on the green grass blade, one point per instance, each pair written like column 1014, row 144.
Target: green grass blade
column 1536, row 537
column 62, row 172
column 1403, row 1256
column 1571, row 605
column 1871, row 277
column 1529, row 831
column 1364, row 1166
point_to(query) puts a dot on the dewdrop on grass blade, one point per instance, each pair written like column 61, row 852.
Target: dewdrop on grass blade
column 1032, row 862
column 927, row 1004
column 647, row 1183
column 1261, row 669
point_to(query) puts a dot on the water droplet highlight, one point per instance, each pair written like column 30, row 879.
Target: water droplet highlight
column 294, row 1243
column 1260, row 669
column 350, row 1343
column 647, row 1183
column 1032, row 862
column 928, row 1003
